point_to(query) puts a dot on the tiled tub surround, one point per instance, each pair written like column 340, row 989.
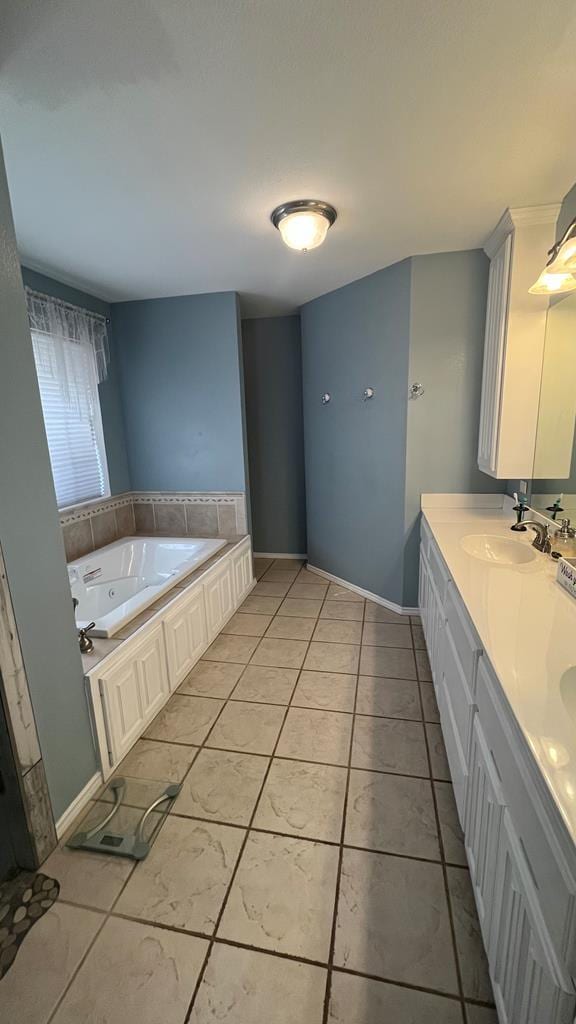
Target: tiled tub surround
column 502, row 653
column 204, row 514
column 312, row 868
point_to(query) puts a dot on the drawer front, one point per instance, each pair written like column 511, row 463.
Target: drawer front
column 440, row 574
column 463, row 635
column 459, row 692
column 552, row 880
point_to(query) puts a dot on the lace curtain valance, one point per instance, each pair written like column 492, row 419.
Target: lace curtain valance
column 64, row 322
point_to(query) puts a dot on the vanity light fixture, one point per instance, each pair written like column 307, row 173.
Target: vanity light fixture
column 303, row 223
column 558, row 274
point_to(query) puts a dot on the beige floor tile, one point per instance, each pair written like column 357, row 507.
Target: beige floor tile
column 364, row 1001
column 439, row 761
column 241, row 986
column 282, row 897
column 325, row 657
column 307, row 576
column 289, row 563
column 471, row 956
column 166, row 762
column 429, row 704
column 353, row 611
column 135, row 972
column 45, row 964
column 378, row 613
column 261, row 565
column 303, row 799
column 452, row 837
column 393, row 920
column 279, row 576
column 338, row 631
column 423, row 666
column 93, row 879
column 224, row 785
column 211, row 679
column 331, row 691
column 249, row 728
column 280, row 653
column 270, row 589
column 388, row 745
column 392, row 662
column 308, row 591
column 416, row 619
column 301, row 607
column 185, row 719
column 338, row 593
column 418, row 637
column 266, row 685
column 480, row 1015
column 247, row 624
column 391, row 813
column 387, row 634
column 291, row 627
column 322, row 736
column 261, row 605
column 232, row 648
column 392, row 698
column 184, row 878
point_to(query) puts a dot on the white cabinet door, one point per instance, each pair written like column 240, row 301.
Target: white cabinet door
column 243, row 571
column 219, row 599
column 186, row 636
column 494, row 353
column 526, row 988
column 133, row 690
column 433, row 618
column 484, row 810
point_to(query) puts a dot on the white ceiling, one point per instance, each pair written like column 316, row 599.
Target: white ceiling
column 147, row 142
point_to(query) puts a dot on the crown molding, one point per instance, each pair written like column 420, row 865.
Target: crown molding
column 519, row 216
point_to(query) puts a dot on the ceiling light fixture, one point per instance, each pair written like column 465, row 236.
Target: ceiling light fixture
column 558, row 274
column 303, row 223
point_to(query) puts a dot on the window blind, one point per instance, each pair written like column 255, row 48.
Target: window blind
column 68, row 380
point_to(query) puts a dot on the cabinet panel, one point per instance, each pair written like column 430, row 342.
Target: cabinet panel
column 526, row 989
column 220, row 599
column 153, row 677
column 433, row 619
column 186, row 636
column 454, row 752
column 484, row 809
column 123, row 712
column 243, row 572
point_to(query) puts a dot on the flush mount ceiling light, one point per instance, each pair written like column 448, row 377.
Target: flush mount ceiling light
column 303, row 223
column 558, row 274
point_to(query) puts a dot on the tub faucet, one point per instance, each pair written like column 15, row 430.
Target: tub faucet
column 542, row 539
column 85, row 642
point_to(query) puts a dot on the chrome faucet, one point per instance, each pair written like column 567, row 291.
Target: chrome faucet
column 542, row 539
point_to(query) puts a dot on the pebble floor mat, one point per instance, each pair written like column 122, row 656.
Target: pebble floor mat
column 23, row 901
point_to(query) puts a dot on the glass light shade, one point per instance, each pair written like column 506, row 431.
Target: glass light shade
column 565, row 259
column 304, row 229
column 553, row 283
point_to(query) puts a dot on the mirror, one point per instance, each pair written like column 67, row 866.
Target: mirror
column 555, row 451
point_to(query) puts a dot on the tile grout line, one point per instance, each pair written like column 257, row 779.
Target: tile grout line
column 328, row 991
column 443, row 864
column 220, row 914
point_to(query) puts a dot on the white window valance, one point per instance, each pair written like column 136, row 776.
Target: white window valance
column 61, row 320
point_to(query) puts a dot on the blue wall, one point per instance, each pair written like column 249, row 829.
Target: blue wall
column 110, row 398
column 32, row 544
column 180, row 363
column 273, row 389
column 355, row 337
column 447, row 314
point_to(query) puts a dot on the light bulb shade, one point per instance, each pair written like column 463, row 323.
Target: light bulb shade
column 564, row 262
column 303, row 224
column 553, row 283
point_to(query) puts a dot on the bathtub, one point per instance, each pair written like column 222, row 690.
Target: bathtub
column 117, row 582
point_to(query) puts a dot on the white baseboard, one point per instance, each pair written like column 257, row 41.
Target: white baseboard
column 365, row 593
column 276, row 554
column 78, row 804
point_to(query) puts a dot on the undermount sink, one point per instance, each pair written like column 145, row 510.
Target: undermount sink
column 497, row 550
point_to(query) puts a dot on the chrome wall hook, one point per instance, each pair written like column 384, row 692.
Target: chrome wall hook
column 367, row 394
column 415, row 391
column 326, row 397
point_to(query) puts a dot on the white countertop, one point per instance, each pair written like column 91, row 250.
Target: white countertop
column 526, row 624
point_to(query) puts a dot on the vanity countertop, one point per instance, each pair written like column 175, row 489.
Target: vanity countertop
column 526, row 624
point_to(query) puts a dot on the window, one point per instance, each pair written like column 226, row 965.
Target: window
column 70, row 355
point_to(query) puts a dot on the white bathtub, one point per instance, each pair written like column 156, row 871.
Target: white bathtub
column 115, row 583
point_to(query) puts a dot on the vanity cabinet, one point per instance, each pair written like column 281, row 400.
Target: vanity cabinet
column 522, row 861
column 514, row 342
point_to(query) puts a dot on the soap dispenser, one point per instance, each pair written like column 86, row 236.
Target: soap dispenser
column 563, row 541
